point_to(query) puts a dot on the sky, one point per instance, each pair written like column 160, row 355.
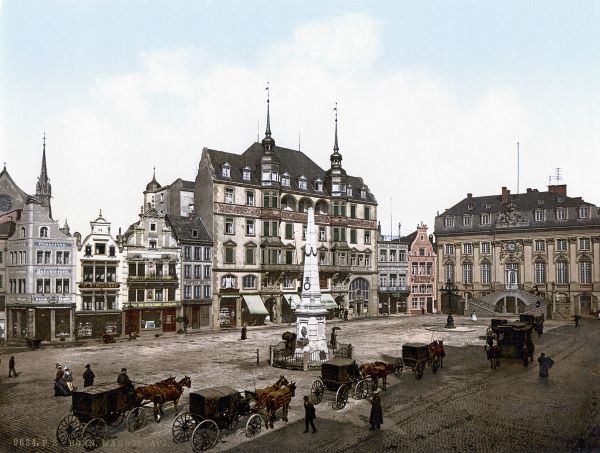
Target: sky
column 433, row 96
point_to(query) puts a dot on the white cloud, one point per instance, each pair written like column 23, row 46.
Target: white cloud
column 404, row 131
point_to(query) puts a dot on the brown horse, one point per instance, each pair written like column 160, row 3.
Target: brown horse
column 279, row 399
column 377, row 370
column 436, row 349
column 493, row 354
column 161, row 393
column 260, row 395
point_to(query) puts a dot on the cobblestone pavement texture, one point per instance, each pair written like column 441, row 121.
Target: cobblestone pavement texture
column 464, row 407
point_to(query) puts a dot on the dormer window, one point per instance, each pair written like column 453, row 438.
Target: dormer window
column 349, row 193
column 44, row 232
column 539, row 215
column 470, row 207
column 540, row 201
column 246, row 174
column 194, row 233
column 466, row 220
column 448, row 221
column 583, row 212
column 285, row 180
column 488, row 205
column 363, row 193
column 318, row 185
column 485, row 218
column 561, row 214
column 226, row 170
column 302, row 183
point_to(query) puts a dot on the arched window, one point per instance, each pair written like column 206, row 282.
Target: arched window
column 229, row 281
column 22, row 232
column 359, row 289
column 44, row 232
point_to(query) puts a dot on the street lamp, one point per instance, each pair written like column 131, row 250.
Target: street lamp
column 450, row 290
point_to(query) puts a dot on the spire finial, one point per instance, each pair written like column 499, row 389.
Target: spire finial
column 336, row 148
column 44, row 141
column 268, row 130
column 100, row 214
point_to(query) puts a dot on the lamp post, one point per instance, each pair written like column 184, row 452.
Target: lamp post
column 553, row 297
column 450, row 290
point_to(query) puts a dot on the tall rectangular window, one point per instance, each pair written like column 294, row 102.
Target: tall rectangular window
column 486, row 273
column 229, row 255
column 562, row 272
column 467, row 273
column 289, row 231
column 561, row 214
column 485, row 219
column 467, row 248
column 540, row 272
column 467, row 220
column 585, row 272
column 583, row 212
column 448, row 221
column 367, row 213
column 448, row 249
column 485, row 248
column 561, row 245
column 449, row 273
column 229, row 195
column 367, row 237
column 249, row 198
column 322, row 233
column 249, row 258
column 229, row 226
column 249, row 227
column 539, row 245
column 539, row 215
column 352, row 236
column 584, row 243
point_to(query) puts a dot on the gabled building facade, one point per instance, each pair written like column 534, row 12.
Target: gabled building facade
column 254, row 206
column 500, row 249
column 422, row 276
column 99, row 280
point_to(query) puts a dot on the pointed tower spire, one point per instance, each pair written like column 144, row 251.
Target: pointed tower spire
column 336, row 148
column 43, row 189
column 336, row 157
column 268, row 142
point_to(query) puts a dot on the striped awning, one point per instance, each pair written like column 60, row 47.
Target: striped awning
column 329, row 302
column 255, row 304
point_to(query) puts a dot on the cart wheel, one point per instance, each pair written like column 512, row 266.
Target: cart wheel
column 68, row 430
column 94, row 433
column 361, row 390
column 183, row 427
column 233, row 422
column 341, row 397
column 254, row 425
column 116, row 418
column 205, row 436
column 435, row 364
column 136, row 418
column 398, row 365
column 316, row 392
column 419, row 369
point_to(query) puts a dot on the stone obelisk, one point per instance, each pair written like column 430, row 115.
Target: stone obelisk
column 310, row 314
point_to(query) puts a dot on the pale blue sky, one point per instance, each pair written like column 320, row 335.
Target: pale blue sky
column 58, row 58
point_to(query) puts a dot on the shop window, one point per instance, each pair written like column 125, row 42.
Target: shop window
column 100, row 249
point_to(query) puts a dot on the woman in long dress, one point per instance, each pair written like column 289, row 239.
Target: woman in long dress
column 376, row 418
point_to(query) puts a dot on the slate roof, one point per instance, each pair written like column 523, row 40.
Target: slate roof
column 7, row 229
column 183, row 228
column 525, row 203
column 294, row 163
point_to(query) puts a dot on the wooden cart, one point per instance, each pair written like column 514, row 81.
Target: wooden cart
column 339, row 375
column 417, row 356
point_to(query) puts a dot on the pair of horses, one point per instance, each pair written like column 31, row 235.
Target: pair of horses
column 279, row 399
column 162, row 392
column 436, row 351
column 377, row 370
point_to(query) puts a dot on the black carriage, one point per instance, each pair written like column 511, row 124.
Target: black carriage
column 536, row 321
column 417, row 356
column 339, row 375
column 511, row 336
column 211, row 410
column 94, row 409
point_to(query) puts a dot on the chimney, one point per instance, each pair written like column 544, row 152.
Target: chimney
column 505, row 194
column 529, row 190
column 399, row 229
column 558, row 189
column 469, row 195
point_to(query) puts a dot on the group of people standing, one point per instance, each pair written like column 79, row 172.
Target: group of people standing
column 63, row 380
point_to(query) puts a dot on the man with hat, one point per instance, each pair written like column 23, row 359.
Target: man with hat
column 123, row 379
column 88, row 376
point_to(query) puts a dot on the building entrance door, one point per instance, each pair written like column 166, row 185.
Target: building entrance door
column 512, row 276
column 42, row 324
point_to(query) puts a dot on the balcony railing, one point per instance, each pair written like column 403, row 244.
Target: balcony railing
column 153, row 278
column 394, row 289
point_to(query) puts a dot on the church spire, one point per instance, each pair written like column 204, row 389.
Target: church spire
column 43, row 189
column 336, row 148
column 336, row 157
column 268, row 142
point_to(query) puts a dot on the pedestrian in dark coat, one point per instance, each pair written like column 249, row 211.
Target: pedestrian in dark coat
column 346, row 314
column 376, row 418
column 545, row 364
column 525, row 354
column 11, row 367
column 309, row 415
column 88, row 376
column 577, row 319
column 244, row 331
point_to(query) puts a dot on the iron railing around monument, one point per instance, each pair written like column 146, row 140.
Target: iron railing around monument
column 280, row 358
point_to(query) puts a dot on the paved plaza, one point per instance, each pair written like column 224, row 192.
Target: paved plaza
column 464, row 407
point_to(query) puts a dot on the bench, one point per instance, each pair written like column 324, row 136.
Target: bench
column 33, row 343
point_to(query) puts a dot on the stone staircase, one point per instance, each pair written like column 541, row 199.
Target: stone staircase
column 486, row 306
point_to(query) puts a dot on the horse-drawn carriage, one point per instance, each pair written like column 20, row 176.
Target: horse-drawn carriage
column 418, row 356
column 512, row 336
column 216, row 408
column 339, row 375
column 94, row 409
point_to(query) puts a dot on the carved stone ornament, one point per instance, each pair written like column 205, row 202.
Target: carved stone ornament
column 511, row 217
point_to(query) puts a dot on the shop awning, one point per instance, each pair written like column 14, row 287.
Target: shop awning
column 255, row 304
column 328, row 301
column 294, row 302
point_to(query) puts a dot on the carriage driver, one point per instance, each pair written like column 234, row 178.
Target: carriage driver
column 123, row 379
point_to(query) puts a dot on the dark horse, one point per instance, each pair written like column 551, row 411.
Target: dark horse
column 279, row 399
column 162, row 392
column 377, row 370
column 436, row 350
column 493, row 354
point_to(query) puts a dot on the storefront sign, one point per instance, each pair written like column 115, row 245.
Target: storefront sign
column 52, row 271
column 51, row 299
column 155, row 305
column 52, row 244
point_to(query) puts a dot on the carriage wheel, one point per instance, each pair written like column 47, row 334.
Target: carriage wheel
column 435, row 364
column 68, row 430
column 419, row 369
column 398, row 365
column 116, row 418
column 205, row 436
column 233, row 422
column 183, row 427
column 341, row 397
column 136, row 418
column 361, row 390
column 94, row 433
column 253, row 425
column 316, row 392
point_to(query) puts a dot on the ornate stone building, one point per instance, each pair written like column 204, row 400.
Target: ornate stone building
column 393, row 273
column 151, row 269
column 254, row 205
column 515, row 252
column 422, row 276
